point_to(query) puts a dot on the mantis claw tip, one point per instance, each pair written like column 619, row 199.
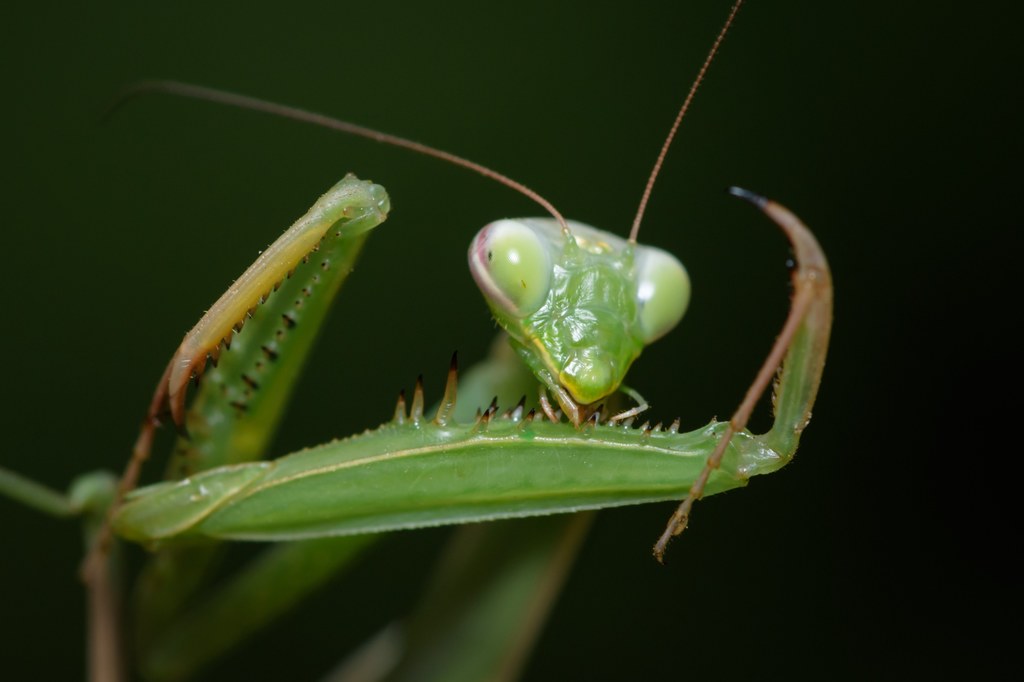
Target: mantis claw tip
column 747, row 195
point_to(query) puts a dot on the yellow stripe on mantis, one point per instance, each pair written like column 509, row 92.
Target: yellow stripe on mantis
column 346, row 200
column 341, row 209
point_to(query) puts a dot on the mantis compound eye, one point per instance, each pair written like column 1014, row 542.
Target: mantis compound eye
column 512, row 265
column 662, row 292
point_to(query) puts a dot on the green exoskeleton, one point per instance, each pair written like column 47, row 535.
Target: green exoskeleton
column 579, row 305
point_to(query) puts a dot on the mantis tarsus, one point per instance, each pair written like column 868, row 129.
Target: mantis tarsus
column 565, row 435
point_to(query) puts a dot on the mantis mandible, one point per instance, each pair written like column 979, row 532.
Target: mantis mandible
column 257, row 500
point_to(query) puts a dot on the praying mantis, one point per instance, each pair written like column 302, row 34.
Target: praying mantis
column 715, row 435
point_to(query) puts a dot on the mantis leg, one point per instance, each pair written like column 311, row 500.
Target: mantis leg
column 489, row 599
column 281, row 301
column 798, row 356
column 35, row 495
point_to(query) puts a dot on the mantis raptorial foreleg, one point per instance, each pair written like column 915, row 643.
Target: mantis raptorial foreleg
column 797, row 356
column 241, row 405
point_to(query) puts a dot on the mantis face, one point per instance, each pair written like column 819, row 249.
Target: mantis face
column 579, row 306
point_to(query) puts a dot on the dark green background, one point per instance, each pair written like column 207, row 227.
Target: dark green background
column 890, row 129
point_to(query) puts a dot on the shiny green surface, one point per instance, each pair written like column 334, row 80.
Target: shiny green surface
column 233, row 418
column 581, row 325
column 242, row 400
column 422, row 474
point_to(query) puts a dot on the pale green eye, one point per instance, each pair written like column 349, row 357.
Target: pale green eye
column 512, row 266
column 663, row 292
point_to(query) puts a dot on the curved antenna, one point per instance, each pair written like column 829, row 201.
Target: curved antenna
column 231, row 99
column 679, row 117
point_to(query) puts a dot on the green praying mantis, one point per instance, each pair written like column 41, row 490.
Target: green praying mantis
column 427, row 467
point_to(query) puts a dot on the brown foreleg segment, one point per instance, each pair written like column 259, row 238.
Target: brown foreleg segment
column 798, row 357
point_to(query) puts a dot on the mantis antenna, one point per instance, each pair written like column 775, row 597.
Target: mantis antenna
column 231, row 99
column 203, row 93
column 679, row 117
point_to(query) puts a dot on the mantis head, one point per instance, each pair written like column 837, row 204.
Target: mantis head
column 579, row 304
